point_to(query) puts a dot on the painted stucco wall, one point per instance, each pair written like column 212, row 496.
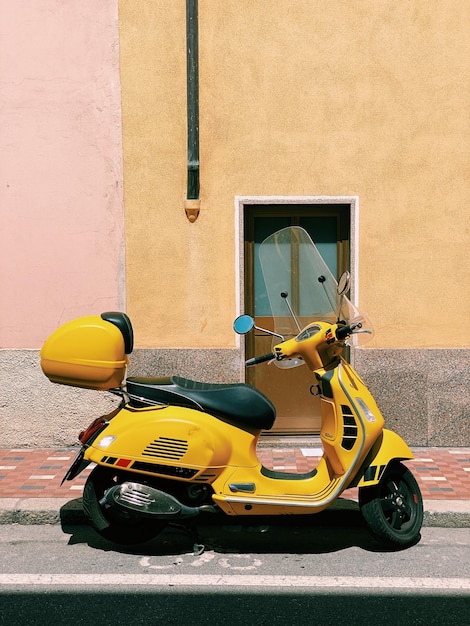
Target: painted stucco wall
column 61, row 217
column 353, row 97
column 358, row 98
column 61, row 205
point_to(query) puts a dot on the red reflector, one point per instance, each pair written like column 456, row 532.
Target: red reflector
column 415, row 498
column 91, row 430
column 123, row 462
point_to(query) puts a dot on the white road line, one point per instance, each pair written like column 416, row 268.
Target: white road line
column 125, row 580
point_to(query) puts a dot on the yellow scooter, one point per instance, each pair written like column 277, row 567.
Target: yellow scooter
column 176, row 448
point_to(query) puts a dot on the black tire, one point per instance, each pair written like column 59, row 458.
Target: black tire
column 116, row 526
column 393, row 509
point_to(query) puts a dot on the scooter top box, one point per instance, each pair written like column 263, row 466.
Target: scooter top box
column 89, row 351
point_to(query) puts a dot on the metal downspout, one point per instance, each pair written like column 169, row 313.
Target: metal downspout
column 192, row 203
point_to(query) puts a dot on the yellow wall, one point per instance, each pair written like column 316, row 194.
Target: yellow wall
column 299, row 97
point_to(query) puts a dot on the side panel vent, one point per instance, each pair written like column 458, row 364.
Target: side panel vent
column 349, row 428
column 166, row 448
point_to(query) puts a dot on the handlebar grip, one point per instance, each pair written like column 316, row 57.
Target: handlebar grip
column 260, row 359
column 343, row 331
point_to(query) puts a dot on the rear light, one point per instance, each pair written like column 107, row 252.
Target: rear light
column 93, row 429
column 89, row 434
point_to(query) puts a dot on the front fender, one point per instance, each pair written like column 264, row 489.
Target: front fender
column 387, row 448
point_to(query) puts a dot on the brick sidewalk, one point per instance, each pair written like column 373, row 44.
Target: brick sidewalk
column 442, row 473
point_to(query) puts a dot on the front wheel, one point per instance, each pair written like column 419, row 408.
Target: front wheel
column 116, row 526
column 393, row 509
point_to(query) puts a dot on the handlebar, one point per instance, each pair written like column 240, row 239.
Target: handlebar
column 344, row 331
column 260, row 359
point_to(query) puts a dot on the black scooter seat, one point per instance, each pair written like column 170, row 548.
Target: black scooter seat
column 239, row 404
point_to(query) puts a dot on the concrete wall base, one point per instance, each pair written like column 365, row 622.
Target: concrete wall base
column 424, row 394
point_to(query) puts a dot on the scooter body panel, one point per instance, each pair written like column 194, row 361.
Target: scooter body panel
column 390, row 447
column 189, row 445
column 276, row 493
column 177, row 442
column 351, row 420
column 351, row 424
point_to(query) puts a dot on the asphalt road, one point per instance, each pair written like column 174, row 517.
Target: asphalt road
column 236, row 574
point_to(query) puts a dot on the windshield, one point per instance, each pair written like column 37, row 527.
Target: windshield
column 296, row 275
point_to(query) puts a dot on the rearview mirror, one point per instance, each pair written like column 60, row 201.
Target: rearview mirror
column 243, row 324
column 344, row 284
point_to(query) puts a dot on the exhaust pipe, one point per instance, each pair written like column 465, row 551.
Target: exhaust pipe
column 150, row 502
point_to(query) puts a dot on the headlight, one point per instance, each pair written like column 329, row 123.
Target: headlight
column 370, row 417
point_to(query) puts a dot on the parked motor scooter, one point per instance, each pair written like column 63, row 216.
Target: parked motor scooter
column 176, row 448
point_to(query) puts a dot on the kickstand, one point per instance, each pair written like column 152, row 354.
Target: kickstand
column 191, row 531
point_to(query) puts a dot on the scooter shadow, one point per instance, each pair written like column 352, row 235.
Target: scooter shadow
column 335, row 529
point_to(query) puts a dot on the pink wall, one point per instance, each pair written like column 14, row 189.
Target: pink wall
column 61, row 206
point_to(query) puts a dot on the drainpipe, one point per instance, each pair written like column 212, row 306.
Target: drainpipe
column 192, row 203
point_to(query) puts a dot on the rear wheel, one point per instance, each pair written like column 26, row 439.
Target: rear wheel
column 117, row 526
column 393, row 509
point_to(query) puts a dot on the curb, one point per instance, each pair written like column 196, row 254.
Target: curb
column 31, row 511
column 447, row 513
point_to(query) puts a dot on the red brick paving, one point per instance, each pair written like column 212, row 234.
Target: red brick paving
column 442, row 473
